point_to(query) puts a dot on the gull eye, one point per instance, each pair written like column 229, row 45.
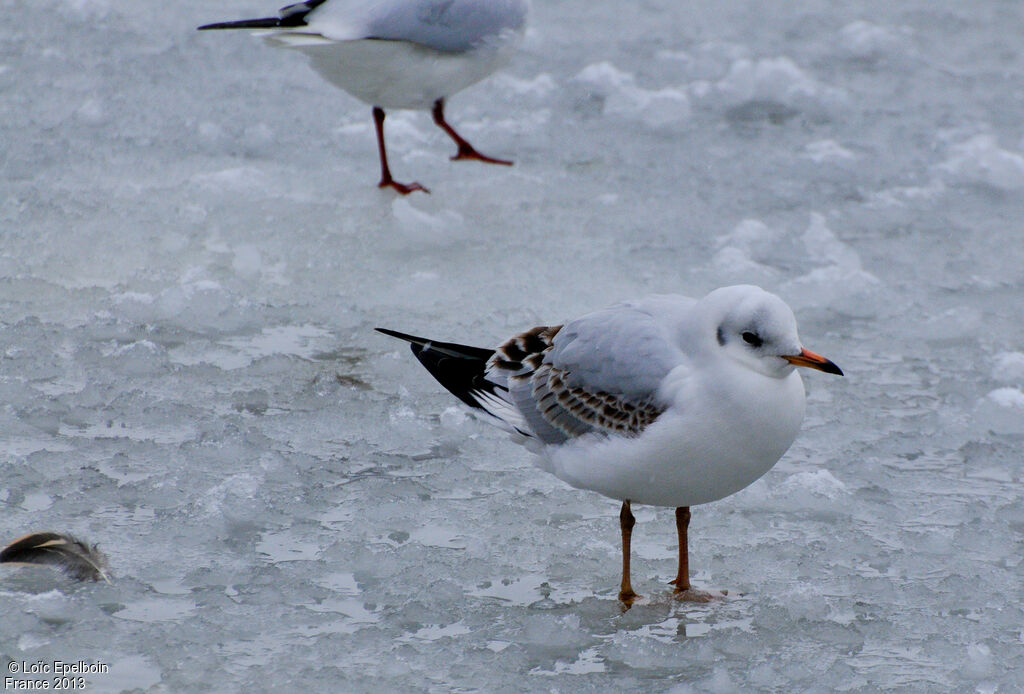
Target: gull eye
column 751, row 338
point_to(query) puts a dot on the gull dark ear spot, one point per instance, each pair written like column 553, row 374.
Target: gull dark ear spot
column 752, row 338
column 720, row 335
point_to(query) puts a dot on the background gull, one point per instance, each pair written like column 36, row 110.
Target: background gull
column 410, row 54
column 664, row 400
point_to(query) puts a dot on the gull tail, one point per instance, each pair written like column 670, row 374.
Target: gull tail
column 63, row 552
column 463, row 371
column 290, row 16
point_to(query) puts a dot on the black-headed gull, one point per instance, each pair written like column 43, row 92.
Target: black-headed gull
column 664, row 400
column 409, row 54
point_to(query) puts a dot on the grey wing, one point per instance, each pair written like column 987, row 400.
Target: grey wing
column 624, row 350
column 444, row 25
column 599, row 373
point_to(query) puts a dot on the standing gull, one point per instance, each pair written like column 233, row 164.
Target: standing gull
column 664, row 400
column 400, row 53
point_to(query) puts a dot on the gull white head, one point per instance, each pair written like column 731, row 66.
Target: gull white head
column 757, row 329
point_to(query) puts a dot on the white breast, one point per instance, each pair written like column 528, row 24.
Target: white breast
column 690, row 456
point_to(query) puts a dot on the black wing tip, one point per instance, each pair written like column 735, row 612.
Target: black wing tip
column 401, row 336
column 291, row 16
column 449, row 349
column 459, row 368
column 417, row 344
column 263, row 23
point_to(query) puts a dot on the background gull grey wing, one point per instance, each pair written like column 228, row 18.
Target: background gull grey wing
column 444, row 25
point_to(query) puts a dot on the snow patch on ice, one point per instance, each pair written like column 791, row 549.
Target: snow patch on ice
column 766, row 81
column 1002, row 411
column 89, row 9
column 416, row 225
column 92, row 112
column 231, row 353
column 587, row 662
column 1007, row 397
column 818, row 483
column 239, row 488
column 624, row 98
column 839, row 282
column 822, row 151
column 1008, row 367
column 433, row 632
column 980, row 161
column 536, row 87
column 303, row 341
column 37, row 501
column 902, row 196
column 240, row 180
column 863, row 40
column 743, row 254
column 833, row 275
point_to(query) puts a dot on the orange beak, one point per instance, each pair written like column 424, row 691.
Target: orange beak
column 813, row 361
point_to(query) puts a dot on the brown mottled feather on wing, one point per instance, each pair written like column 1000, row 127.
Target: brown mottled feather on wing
column 601, row 409
column 572, row 410
column 525, row 350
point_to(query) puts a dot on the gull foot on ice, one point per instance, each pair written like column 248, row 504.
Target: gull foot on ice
column 627, row 598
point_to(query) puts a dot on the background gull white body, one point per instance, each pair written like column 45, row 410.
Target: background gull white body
column 398, row 74
column 406, row 53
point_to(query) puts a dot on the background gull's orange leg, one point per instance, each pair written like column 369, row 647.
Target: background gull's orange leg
column 386, row 181
column 466, row 150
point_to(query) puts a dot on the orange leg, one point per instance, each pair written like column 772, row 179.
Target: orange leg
column 626, row 522
column 385, row 172
column 466, row 150
column 683, row 590
column 682, row 580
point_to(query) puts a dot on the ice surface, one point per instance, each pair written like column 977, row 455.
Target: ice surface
column 195, row 255
column 981, row 161
column 623, row 97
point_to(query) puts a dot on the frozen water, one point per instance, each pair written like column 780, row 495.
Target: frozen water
column 195, row 254
column 981, row 161
column 623, row 97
